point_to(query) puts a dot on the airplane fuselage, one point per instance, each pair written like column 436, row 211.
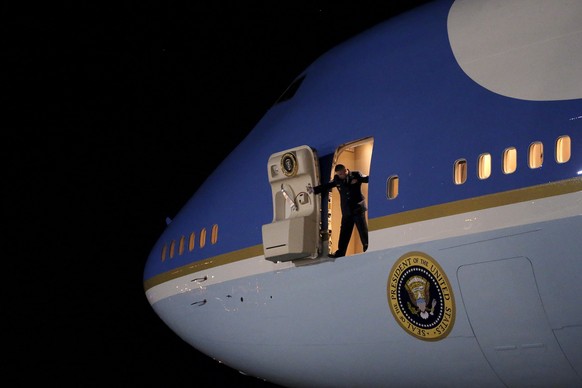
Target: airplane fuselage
column 472, row 140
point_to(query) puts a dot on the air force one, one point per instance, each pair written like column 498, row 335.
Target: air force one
column 471, row 135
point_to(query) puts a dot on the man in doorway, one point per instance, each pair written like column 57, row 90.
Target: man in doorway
column 353, row 205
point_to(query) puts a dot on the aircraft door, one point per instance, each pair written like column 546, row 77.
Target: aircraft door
column 525, row 348
column 294, row 232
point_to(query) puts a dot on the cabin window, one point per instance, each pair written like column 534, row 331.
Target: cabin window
column 535, row 155
column 460, row 172
column 392, row 187
column 509, row 160
column 172, row 248
column 484, row 166
column 182, row 244
column 192, row 241
column 563, row 145
column 202, row 238
column 164, row 252
column 214, row 234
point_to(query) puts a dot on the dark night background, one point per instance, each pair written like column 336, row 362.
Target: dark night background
column 112, row 116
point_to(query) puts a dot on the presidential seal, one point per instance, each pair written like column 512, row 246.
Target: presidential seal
column 289, row 164
column 420, row 297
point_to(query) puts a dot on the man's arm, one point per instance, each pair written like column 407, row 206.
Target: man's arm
column 358, row 176
column 362, row 178
column 323, row 187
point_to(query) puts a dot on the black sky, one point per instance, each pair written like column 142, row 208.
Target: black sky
column 113, row 115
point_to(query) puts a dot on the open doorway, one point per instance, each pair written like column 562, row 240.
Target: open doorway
column 356, row 156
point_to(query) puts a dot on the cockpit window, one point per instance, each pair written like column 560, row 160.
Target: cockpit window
column 291, row 90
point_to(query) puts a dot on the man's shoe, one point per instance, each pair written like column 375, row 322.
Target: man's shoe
column 336, row 254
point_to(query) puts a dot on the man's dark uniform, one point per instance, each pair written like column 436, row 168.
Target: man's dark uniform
column 353, row 208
